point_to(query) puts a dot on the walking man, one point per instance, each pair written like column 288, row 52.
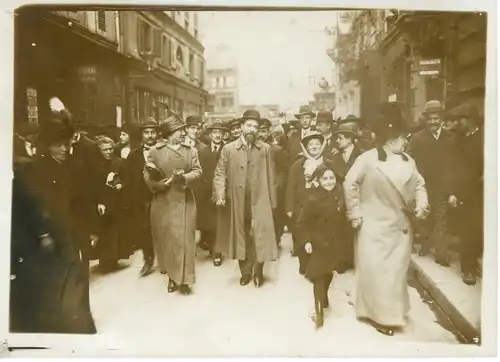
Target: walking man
column 245, row 188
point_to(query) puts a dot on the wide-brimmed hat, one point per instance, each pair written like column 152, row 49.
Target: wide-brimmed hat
column 465, row 110
column 217, row 124
column 171, row 125
column 250, row 114
column 392, row 120
column 305, row 110
column 433, row 107
column 265, row 123
column 324, row 116
column 149, row 122
column 55, row 130
column 194, row 121
column 312, row 135
column 350, row 129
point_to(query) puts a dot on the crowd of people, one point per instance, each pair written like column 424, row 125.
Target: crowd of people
column 353, row 194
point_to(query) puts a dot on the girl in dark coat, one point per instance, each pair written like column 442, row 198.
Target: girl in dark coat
column 321, row 228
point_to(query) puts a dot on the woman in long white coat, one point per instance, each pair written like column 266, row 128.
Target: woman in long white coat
column 384, row 190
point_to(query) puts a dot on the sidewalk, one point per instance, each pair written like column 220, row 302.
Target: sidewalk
column 460, row 302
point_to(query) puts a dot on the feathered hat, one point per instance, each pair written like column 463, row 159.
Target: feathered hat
column 60, row 127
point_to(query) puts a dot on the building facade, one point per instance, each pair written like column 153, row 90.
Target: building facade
column 110, row 68
column 222, row 84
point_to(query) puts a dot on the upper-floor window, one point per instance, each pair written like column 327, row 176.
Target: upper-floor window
column 213, row 82
column 179, row 56
column 144, row 36
column 191, row 64
column 230, row 81
column 101, row 20
column 166, row 51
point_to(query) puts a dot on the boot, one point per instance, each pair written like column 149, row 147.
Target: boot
column 147, row 268
column 319, row 314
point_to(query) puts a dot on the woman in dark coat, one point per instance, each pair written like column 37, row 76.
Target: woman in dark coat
column 321, row 229
column 113, row 244
column 299, row 184
column 63, row 230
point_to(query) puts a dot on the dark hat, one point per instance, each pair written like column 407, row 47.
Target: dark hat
column 305, row 110
column 433, row 107
column 352, row 119
column 217, row 124
column 465, row 110
column 194, row 121
column 171, row 125
column 392, row 120
column 324, row 116
column 234, row 122
column 312, row 135
column 265, row 123
column 250, row 114
column 149, row 122
column 55, row 130
column 350, row 129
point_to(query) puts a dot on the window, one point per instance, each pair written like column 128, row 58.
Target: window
column 179, row 56
column 227, row 102
column 213, row 82
column 191, row 64
column 166, row 52
column 144, row 36
column 101, row 20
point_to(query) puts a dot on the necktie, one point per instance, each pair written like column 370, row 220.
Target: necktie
column 214, row 149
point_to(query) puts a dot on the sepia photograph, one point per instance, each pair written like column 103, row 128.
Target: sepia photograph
column 244, row 181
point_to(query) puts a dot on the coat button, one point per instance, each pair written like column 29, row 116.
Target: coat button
column 405, row 231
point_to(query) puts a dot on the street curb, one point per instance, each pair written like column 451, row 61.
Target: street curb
column 445, row 301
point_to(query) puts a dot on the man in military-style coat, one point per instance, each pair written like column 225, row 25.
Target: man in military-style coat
column 245, row 189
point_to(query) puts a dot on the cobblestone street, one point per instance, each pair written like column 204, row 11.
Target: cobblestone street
column 222, row 318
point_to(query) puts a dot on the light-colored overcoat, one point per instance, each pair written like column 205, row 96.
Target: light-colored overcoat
column 229, row 184
column 173, row 211
column 384, row 240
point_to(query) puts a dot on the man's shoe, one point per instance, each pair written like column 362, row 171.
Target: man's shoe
column 245, row 280
column 147, row 268
column 469, row 279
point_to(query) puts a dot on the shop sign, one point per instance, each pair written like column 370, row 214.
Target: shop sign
column 429, row 66
column 32, row 105
column 87, row 74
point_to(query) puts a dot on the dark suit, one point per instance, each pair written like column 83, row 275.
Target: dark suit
column 282, row 167
column 294, row 146
column 432, row 157
column 466, row 182
column 206, row 209
column 137, row 199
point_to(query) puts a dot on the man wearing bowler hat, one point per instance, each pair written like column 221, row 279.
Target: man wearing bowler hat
column 431, row 149
column 305, row 117
column 325, row 124
column 207, row 211
column 245, row 190
column 466, row 186
column 138, row 196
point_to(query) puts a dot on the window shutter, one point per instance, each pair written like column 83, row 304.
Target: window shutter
column 172, row 52
column 140, row 30
column 157, row 42
column 101, row 20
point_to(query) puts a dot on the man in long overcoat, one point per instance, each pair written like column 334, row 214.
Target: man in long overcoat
column 207, row 211
column 245, row 189
column 466, row 185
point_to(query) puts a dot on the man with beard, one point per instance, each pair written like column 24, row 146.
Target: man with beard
column 207, row 211
column 466, row 188
column 138, row 196
column 431, row 149
column 325, row 124
column 234, row 126
column 281, row 164
column 305, row 117
column 245, row 189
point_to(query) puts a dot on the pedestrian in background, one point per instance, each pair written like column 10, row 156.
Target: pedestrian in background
column 383, row 193
column 321, row 229
column 171, row 173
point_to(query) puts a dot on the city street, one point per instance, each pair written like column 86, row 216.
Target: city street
column 222, row 318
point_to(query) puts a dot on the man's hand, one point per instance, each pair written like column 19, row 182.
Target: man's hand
column 289, row 214
column 308, row 247
column 220, row 202
column 452, row 200
column 47, row 242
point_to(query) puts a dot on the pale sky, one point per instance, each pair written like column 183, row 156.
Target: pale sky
column 275, row 52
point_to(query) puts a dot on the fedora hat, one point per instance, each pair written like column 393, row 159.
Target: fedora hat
column 312, row 135
column 305, row 110
column 352, row 119
column 234, row 122
column 350, row 129
column 433, row 107
column 149, row 122
column 265, row 123
column 250, row 114
column 171, row 125
column 324, row 116
column 217, row 124
column 194, row 121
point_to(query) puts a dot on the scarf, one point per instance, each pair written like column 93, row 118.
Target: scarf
column 310, row 165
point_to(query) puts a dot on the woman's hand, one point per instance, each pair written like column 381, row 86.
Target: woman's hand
column 220, row 202
column 308, row 248
column 356, row 223
column 101, row 209
column 118, row 187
